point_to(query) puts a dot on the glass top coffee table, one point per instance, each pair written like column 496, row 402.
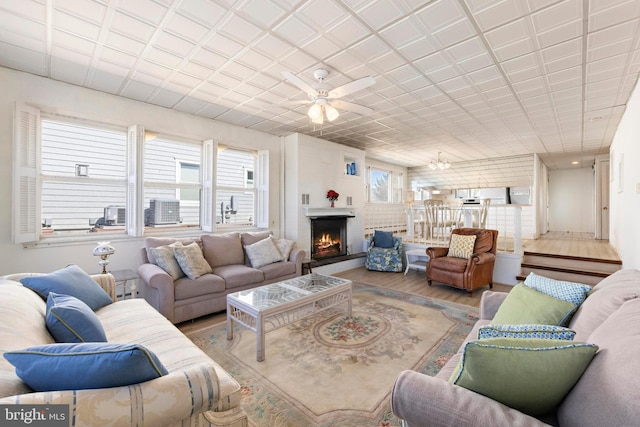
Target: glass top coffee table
column 269, row 307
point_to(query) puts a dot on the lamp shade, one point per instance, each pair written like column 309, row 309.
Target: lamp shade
column 315, row 112
column 332, row 113
column 103, row 248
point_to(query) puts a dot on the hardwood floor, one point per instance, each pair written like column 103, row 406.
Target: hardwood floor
column 572, row 244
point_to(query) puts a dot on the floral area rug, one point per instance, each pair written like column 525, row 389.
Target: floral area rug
column 334, row 370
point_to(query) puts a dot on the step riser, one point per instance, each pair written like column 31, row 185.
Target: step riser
column 559, row 275
column 571, row 264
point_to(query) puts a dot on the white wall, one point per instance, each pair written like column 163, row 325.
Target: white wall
column 624, row 197
column 314, row 166
column 571, row 200
column 61, row 98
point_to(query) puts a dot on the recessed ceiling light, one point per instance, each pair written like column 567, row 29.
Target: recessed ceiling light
column 575, row 163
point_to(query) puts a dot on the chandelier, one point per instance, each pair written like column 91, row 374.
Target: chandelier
column 440, row 164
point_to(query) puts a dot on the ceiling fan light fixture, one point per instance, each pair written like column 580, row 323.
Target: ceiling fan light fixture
column 315, row 113
column 332, row 113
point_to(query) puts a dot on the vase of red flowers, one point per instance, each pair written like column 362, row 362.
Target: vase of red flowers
column 333, row 196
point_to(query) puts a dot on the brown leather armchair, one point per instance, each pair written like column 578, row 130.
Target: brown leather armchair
column 463, row 273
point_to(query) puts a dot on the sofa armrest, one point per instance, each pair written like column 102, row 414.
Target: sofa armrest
column 424, row 401
column 160, row 402
column 490, row 301
column 157, row 288
column 106, row 282
column 437, row 251
column 483, row 258
column 296, row 256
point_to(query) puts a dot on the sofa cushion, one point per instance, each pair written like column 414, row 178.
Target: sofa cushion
column 154, row 242
column 526, row 331
column 239, row 275
column 85, row 365
column 383, row 239
column 165, row 258
column 605, row 298
column 251, row 237
column 608, row 393
column 278, row 269
column 456, row 265
column 191, row 260
column 461, row 246
column 71, row 321
column 262, row 252
column 284, row 246
column 526, row 305
column 71, row 280
column 222, row 249
column 206, row 284
column 530, row 375
column 575, row 293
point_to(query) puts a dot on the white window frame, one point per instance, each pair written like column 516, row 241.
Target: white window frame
column 27, row 188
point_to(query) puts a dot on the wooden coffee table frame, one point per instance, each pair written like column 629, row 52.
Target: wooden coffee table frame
column 268, row 319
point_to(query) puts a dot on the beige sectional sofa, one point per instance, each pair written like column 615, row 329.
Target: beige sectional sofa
column 231, row 271
column 607, row 393
column 195, row 392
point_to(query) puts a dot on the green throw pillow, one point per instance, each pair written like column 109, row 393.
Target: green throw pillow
column 530, row 375
column 526, row 305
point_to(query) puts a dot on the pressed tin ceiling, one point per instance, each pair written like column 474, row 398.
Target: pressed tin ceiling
column 472, row 79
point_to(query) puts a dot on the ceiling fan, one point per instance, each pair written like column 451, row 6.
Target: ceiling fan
column 325, row 100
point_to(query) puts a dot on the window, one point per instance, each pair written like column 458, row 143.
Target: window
column 74, row 178
column 380, row 185
column 171, row 182
column 74, row 202
column 235, row 192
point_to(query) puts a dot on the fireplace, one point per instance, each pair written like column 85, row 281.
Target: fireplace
column 328, row 237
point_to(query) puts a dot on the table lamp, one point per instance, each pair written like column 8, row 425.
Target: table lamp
column 103, row 250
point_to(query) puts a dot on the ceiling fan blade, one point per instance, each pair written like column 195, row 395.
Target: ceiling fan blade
column 350, row 106
column 352, row 87
column 301, row 84
column 296, row 102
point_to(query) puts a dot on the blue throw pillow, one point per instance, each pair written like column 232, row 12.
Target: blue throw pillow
column 70, row 320
column 383, row 239
column 549, row 332
column 71, row 280
column 84, row 365
column 575, row 293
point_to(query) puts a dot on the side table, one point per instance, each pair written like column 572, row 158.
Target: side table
column 306, row 266
column 124, row 278
column 416, row 259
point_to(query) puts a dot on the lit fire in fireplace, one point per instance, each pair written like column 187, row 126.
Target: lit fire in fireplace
column 326, row 246
column 325, row 241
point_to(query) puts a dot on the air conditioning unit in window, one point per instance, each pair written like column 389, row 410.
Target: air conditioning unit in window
column 164, row 211
column 114, row 215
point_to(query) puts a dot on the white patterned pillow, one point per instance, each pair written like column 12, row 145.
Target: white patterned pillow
column 461, row 246
column 166, row 259
column 284, row 246
column 191, row 260
column 263, row 252
column 549, row 332
column 575, row 293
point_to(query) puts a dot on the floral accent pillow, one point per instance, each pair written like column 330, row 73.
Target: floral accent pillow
column 284, row 246
column 165, row 258
column 549, row 332
column 461, row 246
column 191, row 260
column 263, row 252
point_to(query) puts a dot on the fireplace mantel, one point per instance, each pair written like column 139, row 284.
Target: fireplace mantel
column 329, row 212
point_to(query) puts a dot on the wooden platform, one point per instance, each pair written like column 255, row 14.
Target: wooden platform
column 570, row 256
